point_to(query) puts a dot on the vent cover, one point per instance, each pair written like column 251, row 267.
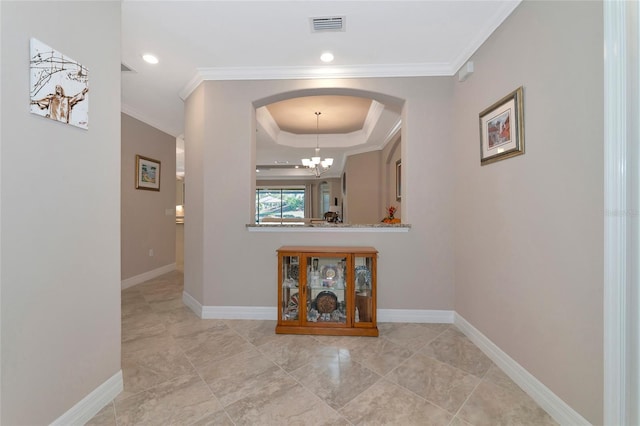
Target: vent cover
column 125, row 68
column 327, row 23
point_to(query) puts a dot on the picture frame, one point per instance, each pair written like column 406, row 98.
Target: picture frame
column 399, row 180
column 344, row 183
column 59, row 86
column 147, row 173
column 502, row 129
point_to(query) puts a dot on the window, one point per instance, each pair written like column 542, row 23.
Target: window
column 273, row 204
column 326, row 197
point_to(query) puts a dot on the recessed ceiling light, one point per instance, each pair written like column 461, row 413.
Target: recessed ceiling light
column 150, row 58
column 326, row 57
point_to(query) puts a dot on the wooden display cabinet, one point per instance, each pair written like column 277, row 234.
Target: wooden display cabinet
column 327, row 290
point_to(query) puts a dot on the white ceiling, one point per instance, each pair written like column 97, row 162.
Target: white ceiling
column 230, row 40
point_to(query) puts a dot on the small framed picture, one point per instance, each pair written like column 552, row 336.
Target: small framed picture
column 399, row 180
column 502, row 129
column 147, row 173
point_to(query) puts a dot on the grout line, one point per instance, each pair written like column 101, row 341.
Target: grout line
column 381, row 378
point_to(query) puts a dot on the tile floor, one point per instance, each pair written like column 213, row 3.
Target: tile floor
column 181, row 370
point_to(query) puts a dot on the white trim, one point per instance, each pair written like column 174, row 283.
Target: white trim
column 326, row 228
column 91, row 404
column 271, row 313
column 549, row 401
column 149, row 275
column 621, row 306
column 240, row 312
column 415, row 316
column 192, row 303
column 306, row 73
column 504, row 9
column 131, row 111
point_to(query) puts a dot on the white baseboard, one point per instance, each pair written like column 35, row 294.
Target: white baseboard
column 240, row 312
column 549, row 401
column 271, row 313
column 149, row 275
column 91, row 404
column 415, row 315
column 192, row 303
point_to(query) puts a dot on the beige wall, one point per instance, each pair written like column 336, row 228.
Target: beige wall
column 145, row 222
column 529, row 230
column 60, row 210
column 415, row 268
column 364, row 188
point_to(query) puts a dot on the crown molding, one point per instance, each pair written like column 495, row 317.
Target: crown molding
column 306, row 73
column 437, row 69
column 373, row 115
column 504, row 9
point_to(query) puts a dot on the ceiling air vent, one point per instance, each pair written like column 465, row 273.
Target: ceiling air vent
column 327, row 23
column 125, row 68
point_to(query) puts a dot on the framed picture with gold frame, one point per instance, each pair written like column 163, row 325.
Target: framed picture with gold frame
column 147, row 173
column 502, row 129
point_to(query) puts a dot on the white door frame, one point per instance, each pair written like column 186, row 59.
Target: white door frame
column 621, row 193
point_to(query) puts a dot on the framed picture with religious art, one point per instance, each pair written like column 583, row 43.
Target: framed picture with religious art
column 59, row 86
column 147, row 173
column 502, row 129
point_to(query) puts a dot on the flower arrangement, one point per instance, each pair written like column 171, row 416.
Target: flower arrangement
column 391, row 211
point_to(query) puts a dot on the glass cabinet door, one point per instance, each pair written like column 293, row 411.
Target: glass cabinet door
column 290, row 303
column 363, row 289
column 326, row 294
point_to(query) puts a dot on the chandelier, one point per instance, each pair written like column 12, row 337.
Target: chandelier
column 315, row 165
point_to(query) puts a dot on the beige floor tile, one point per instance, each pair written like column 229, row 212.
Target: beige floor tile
column 192, row 325
column 232, row 378
column 292, row 351
column 155, row 342
column 454, row 348
column 411, row 336
column 180, row 401
column 282, row 402
column 386, row 403
column 437, row 382
column 256, row 332
column 336, row 381
column 135, row 308
column 146, row 368
column 219, row 418
column 261, row 378
column 105, row 417
column 141, row 326
column 131, row 295
column 160, row 292
column 380, row 355
column 500, row 378
column 166, row 305
column 493, row 405
column 212, row 345
column 180, row 314
column 457, row 421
